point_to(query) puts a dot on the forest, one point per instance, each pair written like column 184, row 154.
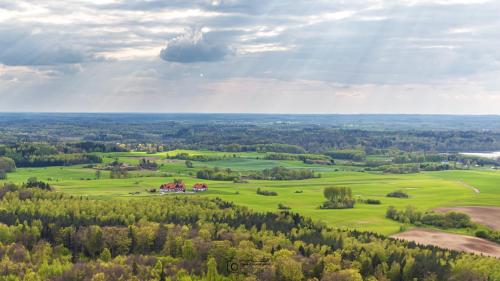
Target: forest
column 47, row 235
column 262, row 133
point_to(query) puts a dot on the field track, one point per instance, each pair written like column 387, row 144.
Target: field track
column 476, row 190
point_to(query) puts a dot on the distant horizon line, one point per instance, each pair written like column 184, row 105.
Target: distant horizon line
column 241, row 113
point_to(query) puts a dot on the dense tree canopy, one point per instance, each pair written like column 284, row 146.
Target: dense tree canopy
column 52, row 236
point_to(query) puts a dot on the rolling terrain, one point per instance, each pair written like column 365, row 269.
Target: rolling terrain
column 426, row 190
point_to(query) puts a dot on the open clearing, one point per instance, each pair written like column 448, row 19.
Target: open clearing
column 451, row 241
column 489, row 216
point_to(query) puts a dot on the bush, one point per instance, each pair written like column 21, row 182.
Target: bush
column 345, row 204
column 372, row 201
column 283, row 207
column 398, row 194
column 266, row 192
column 409, row 215
column 489, row 235
column 34, row 183
column 338, row 198
column 7, row 165
column 457, row 220
column 482, row 234
column 148, row 164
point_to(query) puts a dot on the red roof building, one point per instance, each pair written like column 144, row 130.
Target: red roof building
column 200, row 187
column 173, row 187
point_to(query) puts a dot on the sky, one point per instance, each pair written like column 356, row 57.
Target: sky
column 252, row 56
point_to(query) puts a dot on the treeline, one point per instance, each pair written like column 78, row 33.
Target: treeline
column 61, row 154
column 438, row 161
column 275, row 173
column 348, row 154
column 271, row 147
column 217, row 174
column 416, row 157
column 411, row 168
column 413, row 216
column 51, row 236
column 306, row 158
column 56, row 160
column 282, row 173
column 47, row 148
column 193, row 157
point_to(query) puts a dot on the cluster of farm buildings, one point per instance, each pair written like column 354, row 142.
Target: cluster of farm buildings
column 181, row 187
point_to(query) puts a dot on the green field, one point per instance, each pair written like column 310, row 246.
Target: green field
column 427, row 190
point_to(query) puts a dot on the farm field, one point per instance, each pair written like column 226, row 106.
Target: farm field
column 451, row 241
column 427, row 190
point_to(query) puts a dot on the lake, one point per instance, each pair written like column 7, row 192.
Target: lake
column 492, row 155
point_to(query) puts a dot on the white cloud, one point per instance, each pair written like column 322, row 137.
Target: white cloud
column 261, row 48
column 462, row 30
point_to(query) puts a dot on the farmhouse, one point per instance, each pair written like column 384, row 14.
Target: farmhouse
column 173, row 187
column 197, row 187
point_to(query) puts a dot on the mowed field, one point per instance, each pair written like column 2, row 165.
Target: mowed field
column 427, row 190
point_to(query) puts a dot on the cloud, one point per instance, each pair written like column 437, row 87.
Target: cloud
column 31, row 55
column 21, row 47
column 54, row 47
column 193, row 47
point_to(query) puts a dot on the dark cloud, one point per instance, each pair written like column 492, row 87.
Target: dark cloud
column 20, row 47
column 193, row 47
column 33, row 56
column 241, row 6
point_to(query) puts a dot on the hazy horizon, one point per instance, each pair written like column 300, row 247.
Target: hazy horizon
column 249, row 113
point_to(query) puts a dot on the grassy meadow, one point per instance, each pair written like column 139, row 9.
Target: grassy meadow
column 427, row 190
